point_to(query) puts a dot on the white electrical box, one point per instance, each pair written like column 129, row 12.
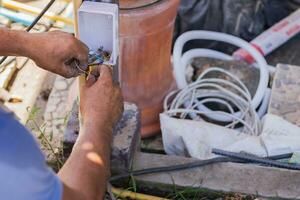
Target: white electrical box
column 98, row 27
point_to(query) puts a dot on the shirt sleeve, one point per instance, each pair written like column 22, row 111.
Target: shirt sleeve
column 24, row 173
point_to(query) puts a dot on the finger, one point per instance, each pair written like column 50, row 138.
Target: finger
column 74, row 69
column 95, row 70
column 82, row 52
column 105, row 72
column 68, row 69
column 91, row 79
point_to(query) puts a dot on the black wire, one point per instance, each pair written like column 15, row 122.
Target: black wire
column 256, row 159
column 191, row 165
column 34, row 22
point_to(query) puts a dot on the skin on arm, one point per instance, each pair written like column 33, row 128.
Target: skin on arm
column 55, row 51
column 85, row 173
column 87, row 170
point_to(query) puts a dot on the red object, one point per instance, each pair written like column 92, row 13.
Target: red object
column 272, row 38
column 146, row 32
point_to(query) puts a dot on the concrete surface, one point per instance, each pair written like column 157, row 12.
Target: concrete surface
column 226, row 177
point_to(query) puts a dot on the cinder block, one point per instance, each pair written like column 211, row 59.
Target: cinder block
column 285, row 96
column 126, row 137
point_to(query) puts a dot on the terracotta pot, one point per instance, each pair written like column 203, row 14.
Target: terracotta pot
column 146, row 31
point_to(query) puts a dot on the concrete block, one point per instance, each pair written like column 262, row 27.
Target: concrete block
column 245, row 72
column 225, row 177
column 285, row 96
column 126, row 137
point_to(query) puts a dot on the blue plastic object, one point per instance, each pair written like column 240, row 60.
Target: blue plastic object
column 17, row 17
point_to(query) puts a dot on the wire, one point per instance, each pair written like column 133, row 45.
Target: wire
column 35, row 21
column 181, row 61
column 228, row 92
column 80, row 69
column 199, row 163
column 256, row 159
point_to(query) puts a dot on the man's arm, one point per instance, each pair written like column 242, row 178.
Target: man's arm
column 13, row 43
column 54, row 51
column 86, row 171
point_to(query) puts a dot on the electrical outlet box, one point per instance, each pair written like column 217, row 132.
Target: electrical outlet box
column 98, row 27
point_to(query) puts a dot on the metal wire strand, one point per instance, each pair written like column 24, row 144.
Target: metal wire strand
column 35, row 21
column 256, row 159
column 79, row 68
column 199, row 163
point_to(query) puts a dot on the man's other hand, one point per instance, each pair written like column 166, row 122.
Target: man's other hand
column 58, row 52
column 101, row 101
column 86, row 172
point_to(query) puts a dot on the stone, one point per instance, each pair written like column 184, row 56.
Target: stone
column 126, row 137
column 6, row 74
column 285, row 101
column 225, row 177
column 61, row 85
column 27, row 87
column 4, row 21
column 245, row 72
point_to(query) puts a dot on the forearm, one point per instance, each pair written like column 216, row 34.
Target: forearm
column 87, row 169
column 14, row 43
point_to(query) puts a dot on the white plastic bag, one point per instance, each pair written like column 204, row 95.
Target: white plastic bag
column 197, row 138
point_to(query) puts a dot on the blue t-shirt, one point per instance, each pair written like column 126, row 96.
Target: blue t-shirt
column 24, row 174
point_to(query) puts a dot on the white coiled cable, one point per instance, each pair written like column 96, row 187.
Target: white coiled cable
column 180, row 63
column 233, row 95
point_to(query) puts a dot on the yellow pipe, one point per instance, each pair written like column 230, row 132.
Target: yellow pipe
column 10, row 4
column 133, row 195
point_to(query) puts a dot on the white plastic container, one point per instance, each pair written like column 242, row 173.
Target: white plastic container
column 98, row 27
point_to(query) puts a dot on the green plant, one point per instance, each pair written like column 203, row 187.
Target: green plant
column 44, row 139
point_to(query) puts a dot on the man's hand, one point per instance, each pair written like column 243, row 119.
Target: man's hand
column 101, row 102
column 87, row 170
column 58, row 52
